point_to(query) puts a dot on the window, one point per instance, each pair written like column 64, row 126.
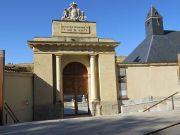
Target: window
column 148, row 23
column 137, row 59
column 158, row 21
column 156, row 13
column 123, row 89
column 122, row 83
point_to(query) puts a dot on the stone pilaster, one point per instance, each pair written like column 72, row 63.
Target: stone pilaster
column 94, row 96
column 58, row 78
column 94, row 93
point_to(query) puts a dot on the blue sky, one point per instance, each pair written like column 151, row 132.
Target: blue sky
column 121, row 20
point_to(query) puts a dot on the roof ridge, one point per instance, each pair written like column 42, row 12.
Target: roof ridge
column 149, row 49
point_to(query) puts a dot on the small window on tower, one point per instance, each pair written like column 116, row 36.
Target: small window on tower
column 158, row 21
column 148, row 24
column 156, row 13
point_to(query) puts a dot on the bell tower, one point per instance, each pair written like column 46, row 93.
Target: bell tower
column 154, row 23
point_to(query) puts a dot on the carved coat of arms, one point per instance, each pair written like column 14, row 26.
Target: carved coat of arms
column 73, row 13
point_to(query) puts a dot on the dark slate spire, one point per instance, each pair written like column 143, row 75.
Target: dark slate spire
column 154, row 23
column 160, row 46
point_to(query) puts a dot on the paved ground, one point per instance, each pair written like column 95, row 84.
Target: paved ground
column 131, row 124
column 175, row 130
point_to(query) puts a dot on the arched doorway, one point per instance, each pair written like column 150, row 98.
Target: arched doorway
column 75, row 89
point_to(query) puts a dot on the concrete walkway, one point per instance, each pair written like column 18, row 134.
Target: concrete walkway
column 129, row 124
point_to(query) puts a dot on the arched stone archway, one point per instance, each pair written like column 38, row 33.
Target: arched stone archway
column 75, row 89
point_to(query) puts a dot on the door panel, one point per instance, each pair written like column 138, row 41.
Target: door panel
column 75, row 80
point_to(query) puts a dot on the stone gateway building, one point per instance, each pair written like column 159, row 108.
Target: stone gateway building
column 71, row 65
column 76, row 73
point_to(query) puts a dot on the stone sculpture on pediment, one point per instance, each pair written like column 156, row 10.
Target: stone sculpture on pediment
column 73, row 13
column 65, row 13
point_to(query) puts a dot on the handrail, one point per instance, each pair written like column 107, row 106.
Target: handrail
column 162, row 101
column 161, row 129
column 11, row 113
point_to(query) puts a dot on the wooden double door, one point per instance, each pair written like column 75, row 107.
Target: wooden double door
column 75, row 89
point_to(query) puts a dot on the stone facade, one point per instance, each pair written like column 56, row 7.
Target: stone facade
column 73, row 42
column 73, row 29
column 112, row 86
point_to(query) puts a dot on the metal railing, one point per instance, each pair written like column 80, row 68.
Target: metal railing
column 171, row 96
column 8, row 111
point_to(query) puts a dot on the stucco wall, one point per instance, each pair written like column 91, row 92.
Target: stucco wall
column 156, row 81
column 19, row 95
column 107, row 80
column 44, row 92
column 43, row 79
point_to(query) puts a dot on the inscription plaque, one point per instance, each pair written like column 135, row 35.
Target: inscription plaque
column 75, row 29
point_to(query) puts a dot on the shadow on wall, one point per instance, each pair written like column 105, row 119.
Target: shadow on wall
column 45, row 105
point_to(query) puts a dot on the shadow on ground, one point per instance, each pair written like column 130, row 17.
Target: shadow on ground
column 133, row 124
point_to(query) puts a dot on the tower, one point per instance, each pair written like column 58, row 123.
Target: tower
column 154, row 23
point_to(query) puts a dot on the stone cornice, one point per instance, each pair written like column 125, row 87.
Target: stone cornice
column 57, row 43
column 145, row 64
column 73, row 21
column 25, row 74
column 74, row 53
